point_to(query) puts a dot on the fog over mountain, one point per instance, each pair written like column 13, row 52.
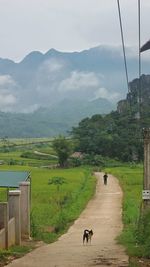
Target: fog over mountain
column 44, row 80
column 56, row 90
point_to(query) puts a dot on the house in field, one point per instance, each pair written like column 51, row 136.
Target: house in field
column 77, row 155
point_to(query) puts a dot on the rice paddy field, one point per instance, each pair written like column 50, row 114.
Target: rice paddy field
column 54, row 207
column 32, row 152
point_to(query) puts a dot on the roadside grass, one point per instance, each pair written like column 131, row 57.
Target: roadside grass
column 14, row 252
column 136, row 233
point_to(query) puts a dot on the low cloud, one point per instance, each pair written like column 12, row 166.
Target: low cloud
column 104, row 93
column 30, row 108
column 52, row 65
column 6, row 80
column 79, row 81
column 48, row 78
column 8, row 98
column 7, row 102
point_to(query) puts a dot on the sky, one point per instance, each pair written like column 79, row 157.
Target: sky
column 67, row 25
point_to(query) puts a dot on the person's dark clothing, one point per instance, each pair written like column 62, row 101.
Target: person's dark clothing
column 105, row 178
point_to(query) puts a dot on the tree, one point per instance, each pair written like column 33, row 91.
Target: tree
column 114, row 135
column 63, row 148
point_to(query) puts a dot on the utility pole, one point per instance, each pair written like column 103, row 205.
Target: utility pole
column 146, row 182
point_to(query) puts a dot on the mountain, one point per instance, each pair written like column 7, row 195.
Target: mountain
column 50, row 122
column 47, row 94
column 137, row 102
column 43, row 80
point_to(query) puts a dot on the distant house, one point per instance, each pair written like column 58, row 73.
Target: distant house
column 77, row 155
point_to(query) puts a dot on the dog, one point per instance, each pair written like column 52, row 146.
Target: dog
column 87, row 235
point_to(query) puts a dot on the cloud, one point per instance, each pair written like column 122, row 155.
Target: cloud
column 7, row 101
column 67, row 25
column 79, row 81
column 6, row 80
column 52, row 65
column 30, row 108
column 104, row 93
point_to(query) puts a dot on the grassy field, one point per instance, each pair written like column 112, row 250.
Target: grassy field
column 53, row 210
column 136, row 233
column 27, row 152
column 23, row 141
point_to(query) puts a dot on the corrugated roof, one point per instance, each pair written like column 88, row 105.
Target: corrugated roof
column 12, row 178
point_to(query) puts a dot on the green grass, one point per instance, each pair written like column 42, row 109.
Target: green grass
column 23, row 153
column 27, row 156
column 74, row 195
column 46, row 214
column 14, row 252
column 136, row 233
column 23, row 141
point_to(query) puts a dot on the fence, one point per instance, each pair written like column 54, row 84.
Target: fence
column 15, row 217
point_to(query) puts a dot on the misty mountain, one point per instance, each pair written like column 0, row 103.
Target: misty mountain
column 52, row 121
column 47, row 94
column 44, row 80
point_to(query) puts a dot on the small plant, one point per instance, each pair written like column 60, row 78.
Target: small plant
column 57, row 181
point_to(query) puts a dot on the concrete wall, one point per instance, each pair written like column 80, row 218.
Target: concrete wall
column 4, row 214
column 25, row 209
column 11, row 232
column 2, row 239
column 1, row 216
column 11, row 235
column 15, row 216
column 14, row 211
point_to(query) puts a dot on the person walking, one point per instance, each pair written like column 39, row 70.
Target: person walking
column 105, row 177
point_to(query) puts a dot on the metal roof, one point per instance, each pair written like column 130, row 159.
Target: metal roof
column 13, row 178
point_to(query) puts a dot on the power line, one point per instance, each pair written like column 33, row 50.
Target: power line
column 139, row 28
column 123, row 45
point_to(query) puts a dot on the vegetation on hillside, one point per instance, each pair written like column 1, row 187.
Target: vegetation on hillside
column 118, row 134
column 113, row 135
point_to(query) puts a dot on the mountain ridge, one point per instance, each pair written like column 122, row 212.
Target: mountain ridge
column 45, row 80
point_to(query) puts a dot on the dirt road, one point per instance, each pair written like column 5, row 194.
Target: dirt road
column 103, row 215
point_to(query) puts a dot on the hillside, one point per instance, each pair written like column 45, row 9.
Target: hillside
column 50, row 122
column 118, row 134
column 133, row 106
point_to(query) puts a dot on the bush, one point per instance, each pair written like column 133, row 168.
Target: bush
column 93, row 160
column 75, row 162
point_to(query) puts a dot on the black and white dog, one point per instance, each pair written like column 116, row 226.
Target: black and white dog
column 87, row 235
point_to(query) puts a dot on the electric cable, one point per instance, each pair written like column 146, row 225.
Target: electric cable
column 123, row 46
column 139, row 28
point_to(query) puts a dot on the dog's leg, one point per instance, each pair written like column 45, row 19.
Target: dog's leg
column 87, row 239
column 83, row 239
